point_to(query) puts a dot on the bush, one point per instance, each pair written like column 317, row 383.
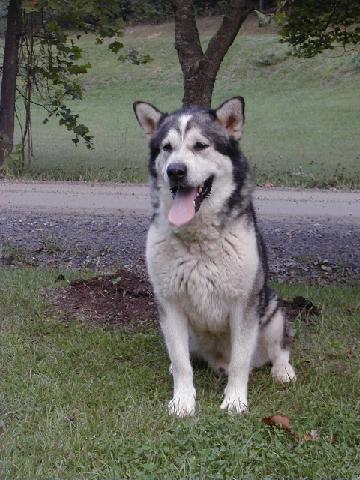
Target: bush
column 272, row 56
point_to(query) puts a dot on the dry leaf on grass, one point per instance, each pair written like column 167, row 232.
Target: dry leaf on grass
column 281, row 421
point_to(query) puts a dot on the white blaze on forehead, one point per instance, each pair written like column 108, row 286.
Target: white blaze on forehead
column 194, row 135
column 176, row 134
column 172, row 137
column 183, row 121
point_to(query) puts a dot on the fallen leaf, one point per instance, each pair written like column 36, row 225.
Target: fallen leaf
column 312, row 435
column 281, row 421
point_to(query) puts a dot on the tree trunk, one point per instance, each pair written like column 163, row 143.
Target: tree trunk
column 8, row 81
column 200, row 68
column 199, row 86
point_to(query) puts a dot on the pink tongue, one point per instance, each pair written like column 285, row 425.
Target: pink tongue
column 182, row 209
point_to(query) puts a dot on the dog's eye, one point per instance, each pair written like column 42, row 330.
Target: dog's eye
column 200, row 146
column 167, row 147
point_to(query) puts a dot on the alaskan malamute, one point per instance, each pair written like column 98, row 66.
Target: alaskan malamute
column 205, row 255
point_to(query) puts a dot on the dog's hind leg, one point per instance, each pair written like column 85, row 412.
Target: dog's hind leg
column 174, row 325
column 271, row 347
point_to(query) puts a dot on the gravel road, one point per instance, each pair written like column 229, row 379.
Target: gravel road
column 95, row 198
column 298, row 250
column 312, row 235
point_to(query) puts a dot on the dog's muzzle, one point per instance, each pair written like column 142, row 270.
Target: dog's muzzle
column 176, row 172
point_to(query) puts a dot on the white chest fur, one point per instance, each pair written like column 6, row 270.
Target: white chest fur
column 203, row 275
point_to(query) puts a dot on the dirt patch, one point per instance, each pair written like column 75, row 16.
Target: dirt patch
column 123, row 299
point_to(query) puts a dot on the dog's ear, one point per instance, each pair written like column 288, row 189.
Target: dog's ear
column 231, row 116
column 148, row 116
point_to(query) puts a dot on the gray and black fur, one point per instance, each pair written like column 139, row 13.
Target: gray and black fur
column 238, row 204
column 209, row 258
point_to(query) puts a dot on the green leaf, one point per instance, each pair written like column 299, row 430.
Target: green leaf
column 116, row 46
column 81, row 130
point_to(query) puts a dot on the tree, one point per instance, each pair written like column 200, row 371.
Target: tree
column 312, row 26
column 8, row 83
column 200, row 67
column 41, row 57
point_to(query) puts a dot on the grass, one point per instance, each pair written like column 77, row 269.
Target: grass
column 302, row 115
column 88, row 403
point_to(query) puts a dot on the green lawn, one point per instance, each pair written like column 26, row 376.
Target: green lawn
column 81, row 402
column 302, row 116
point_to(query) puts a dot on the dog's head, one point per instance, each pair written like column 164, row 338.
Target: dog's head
column 195, row 159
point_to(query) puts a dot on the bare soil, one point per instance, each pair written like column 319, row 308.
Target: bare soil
column 123, row 299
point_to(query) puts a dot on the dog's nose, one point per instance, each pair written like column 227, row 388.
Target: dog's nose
column 176, row 171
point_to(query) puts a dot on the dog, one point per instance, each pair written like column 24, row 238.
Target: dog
column 205, row 255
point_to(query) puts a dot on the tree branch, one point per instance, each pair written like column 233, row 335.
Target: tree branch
column 187, row 40
column 199, row 68
column 45, row 107
column 222, row 40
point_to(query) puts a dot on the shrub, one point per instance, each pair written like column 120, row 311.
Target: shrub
column 272, row 56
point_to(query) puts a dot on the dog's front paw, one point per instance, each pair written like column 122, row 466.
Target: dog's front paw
column 234, row 403
column 182, row 405
column 283, row 373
